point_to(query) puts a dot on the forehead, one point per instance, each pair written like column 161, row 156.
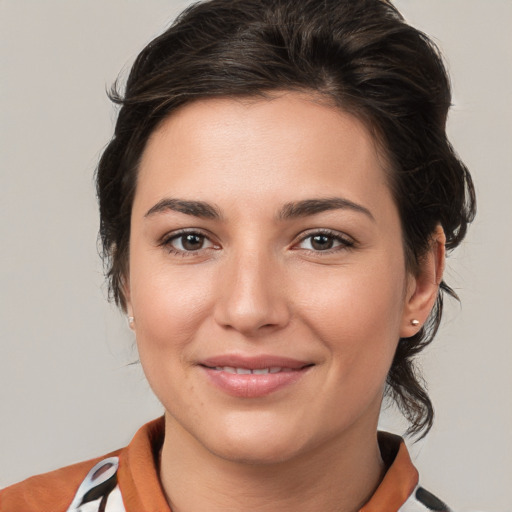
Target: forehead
column 291, row 144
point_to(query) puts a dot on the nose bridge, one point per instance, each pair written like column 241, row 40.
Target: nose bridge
column 253, row 294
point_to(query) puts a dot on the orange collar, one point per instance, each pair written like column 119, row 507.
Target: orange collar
column 138, row 470
column 400, row 479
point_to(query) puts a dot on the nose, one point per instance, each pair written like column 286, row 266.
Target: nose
column 253, row 299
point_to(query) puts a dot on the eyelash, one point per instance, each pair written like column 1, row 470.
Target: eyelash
column 345, row 243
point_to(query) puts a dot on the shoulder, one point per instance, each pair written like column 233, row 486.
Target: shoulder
column 50, row 491
column 94, row 482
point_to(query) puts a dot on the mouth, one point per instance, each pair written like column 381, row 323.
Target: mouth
column 253, row 377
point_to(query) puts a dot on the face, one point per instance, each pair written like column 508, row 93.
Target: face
column 266, row 275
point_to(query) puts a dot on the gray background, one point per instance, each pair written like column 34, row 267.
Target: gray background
column 67, row 392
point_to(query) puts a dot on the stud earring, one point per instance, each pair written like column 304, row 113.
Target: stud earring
column 131, row 321
column 415, row 322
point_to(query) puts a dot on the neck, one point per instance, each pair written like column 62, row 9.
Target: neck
column 339, row 476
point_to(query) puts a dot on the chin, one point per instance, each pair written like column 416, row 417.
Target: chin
column 273, row 442
column 256, row 451
column 251, row 440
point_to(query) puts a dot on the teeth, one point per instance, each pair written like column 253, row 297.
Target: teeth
column 261, row 371
column 256, row 371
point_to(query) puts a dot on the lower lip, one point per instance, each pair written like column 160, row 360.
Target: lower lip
column 253, row 385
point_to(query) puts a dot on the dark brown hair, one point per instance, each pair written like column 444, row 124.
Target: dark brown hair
column 358, row 54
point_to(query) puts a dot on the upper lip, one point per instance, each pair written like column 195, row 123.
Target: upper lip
column 254, row 362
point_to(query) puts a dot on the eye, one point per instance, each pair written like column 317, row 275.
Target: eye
column 187, row 242
column 324, row 241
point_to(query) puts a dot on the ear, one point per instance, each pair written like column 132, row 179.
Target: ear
column 423, row 288
column 125, row 288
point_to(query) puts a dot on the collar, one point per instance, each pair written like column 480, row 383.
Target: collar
column 400, row 479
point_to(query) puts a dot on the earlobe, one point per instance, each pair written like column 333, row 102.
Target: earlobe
column 423, row 288
column 127, row 300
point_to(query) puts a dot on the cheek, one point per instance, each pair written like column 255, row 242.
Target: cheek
column 357, row 313
column 169, row 305
column 170, row 308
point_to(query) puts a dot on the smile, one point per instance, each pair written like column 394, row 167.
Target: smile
column 253, row 377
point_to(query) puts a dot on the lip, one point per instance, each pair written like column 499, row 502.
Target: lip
column 253, row 385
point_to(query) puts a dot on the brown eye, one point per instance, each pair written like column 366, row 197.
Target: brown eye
column 322, row 242
column 192, row 242
column 319, row 242
column 188, row 242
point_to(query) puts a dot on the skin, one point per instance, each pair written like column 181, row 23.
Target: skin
column 257, row 284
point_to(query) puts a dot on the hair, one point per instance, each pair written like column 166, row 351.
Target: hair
column 359, row 55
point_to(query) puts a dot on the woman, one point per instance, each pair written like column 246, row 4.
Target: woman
column 275, row 207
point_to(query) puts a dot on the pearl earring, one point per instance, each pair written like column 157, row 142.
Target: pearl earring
column 415, row 322
column 131, row 321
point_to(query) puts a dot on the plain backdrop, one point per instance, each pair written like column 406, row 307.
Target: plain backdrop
column 67, row 390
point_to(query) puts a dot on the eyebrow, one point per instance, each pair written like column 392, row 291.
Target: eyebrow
column 291, row 210
column 196, row 208
column 314, row 206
